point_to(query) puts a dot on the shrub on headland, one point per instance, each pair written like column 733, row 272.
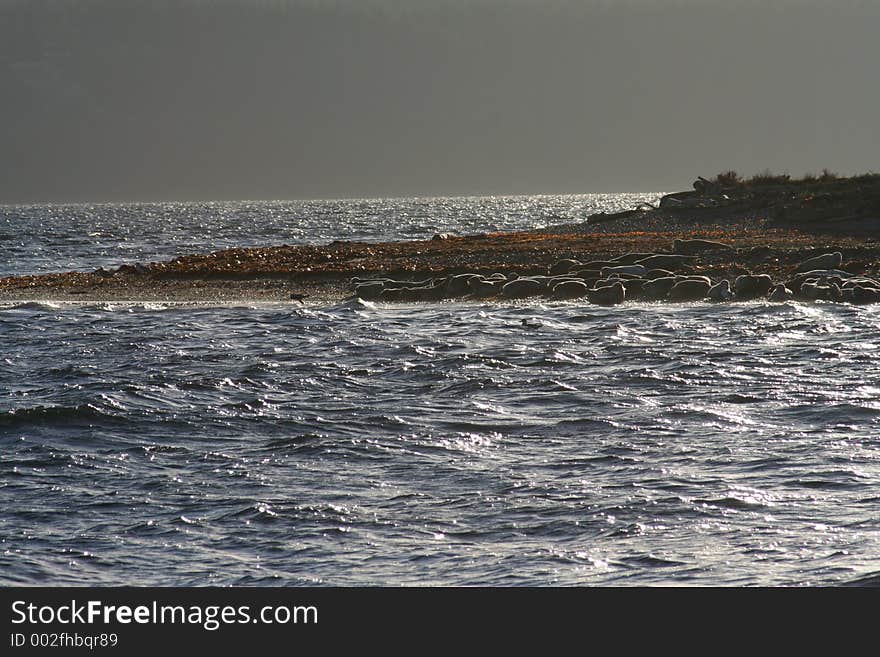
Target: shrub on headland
column 728, row 178
column 828, row 176
column 734, row 179
column 767, row 177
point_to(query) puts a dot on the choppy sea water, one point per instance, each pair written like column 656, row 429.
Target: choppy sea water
column 438, row 444
column 47, row 238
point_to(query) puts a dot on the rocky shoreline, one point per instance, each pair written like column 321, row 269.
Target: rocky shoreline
column 719, row 242
column 676, row 276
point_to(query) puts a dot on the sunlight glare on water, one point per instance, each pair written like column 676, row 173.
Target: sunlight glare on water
column 451, row 443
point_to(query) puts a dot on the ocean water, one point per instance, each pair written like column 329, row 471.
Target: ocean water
column 39, row 238
column 423, row 444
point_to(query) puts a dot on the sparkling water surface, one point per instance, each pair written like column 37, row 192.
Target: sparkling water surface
column 48, row 238
column 451, row 443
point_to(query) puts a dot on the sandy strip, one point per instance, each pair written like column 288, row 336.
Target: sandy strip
column 322, row 275
column 200, row 292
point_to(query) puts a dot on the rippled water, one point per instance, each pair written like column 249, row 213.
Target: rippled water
column 47, row 238
column 451, row 443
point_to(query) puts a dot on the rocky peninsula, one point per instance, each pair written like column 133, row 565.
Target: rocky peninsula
column 726, row 239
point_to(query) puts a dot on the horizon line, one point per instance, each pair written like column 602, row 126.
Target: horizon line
column 313, row 199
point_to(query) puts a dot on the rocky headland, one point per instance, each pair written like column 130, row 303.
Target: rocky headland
column 727, row 239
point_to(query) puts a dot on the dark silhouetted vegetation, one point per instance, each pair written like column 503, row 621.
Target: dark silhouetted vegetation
column 735, row 179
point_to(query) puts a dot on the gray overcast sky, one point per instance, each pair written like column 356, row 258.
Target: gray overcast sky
column 270, row 99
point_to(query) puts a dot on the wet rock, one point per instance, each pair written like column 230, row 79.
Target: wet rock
column 679, row 200
column 137, row 269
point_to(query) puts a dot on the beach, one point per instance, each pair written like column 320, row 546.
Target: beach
column 207, row 386
column 768, row 232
